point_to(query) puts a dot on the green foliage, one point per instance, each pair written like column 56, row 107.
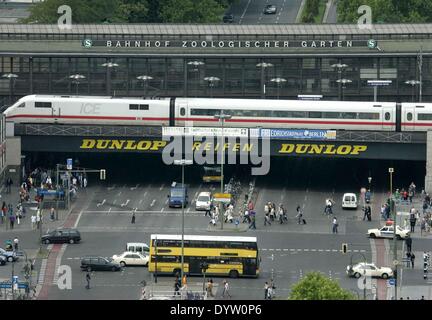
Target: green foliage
column 312, row 11
column 387, row 11
column 132, row 11
column 315, row 286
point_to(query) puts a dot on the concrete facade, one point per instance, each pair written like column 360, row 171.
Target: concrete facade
column 428, row 178
column 13, row 159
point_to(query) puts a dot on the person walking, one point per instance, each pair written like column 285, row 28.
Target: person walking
column 226, row 289
column 88, row 278
column 408, row 259
column 266, row 289
column 16, row 243
column 210, row 288
column 299, row 215
column 267, row 219
column 413, row 221
column 33, row 222
column 133, row 218
column 335, row 225
column 408, row 242
column 412, row 260
column 12, row 221
column 177, row 285
column 423, row 226
column 252, row 217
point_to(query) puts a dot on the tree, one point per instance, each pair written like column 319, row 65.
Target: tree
column 191, row 11
column 315, row 286
column 135, row 11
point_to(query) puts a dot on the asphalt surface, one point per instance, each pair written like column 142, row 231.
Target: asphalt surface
column 252, row 11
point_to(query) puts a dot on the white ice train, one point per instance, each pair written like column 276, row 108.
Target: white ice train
column 345, row 115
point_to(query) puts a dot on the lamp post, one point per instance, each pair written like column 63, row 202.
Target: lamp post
column 222, row 117
column 12, row 77
column 212, row 82
column 76, row 78
column 145, row 79
column 394, row 213
column 340, row 67
column 343, row 82
column 183, row 163
column 196, row 64
column 109, row 65
column 279, row 82
column 263, row 66
column 412, row 83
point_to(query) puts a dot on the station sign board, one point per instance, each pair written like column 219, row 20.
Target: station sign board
column 204, row 132
column 222, row 197
column 310, row 134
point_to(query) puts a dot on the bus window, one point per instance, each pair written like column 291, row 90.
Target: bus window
column 211, row 174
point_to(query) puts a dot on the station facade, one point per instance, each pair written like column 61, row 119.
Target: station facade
column 253, row 61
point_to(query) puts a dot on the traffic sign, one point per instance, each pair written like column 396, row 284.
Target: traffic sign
column 395, row 262
column 69, row 163
column 392, row 282
column 222, row 197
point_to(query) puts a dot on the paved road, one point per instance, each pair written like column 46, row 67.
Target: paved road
column 251, row 11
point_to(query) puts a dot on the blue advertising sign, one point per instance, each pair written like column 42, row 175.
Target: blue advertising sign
column 312, row 134
column 69, row 164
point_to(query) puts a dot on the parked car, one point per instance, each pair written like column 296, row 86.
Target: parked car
column 369, row 270
column 388, row 231
column 203, row 201
column 3, row 260
column 270, row 9
column 228, row 18
column 349, row 201
column 10, row 255
column 62, row 235
column 94, row 263
column 131, row 259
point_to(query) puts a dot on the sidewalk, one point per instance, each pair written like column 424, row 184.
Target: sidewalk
column 164, row 290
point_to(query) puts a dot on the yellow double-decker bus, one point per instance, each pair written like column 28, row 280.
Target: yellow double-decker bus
column 211, row 174
column 223, row 256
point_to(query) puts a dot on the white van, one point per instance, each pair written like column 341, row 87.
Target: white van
column 139, row 247
column 349, row 201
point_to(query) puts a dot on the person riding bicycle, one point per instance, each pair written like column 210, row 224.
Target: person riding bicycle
column 328, row 206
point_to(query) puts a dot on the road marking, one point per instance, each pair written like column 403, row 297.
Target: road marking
column 244, row 12
column 188, row 210
column 78, row 219
column 125, row 204
column 145, row 193
column 166, row 201
column 114, row 201
column 162, row 186
column 109, row 210
column 152, row 203
column 101, row 204
column 162, row 210
column 119, row 194
column 140, row 201
column 111, row 188
column 134, row 188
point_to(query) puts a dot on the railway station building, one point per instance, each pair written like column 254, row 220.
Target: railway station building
column 252, row 61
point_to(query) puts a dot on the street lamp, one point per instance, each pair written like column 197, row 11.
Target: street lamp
column 109, row 65
column 279, row 82
column 183, row 163
column 212, row 82
column 145, row 80
column 195, row 68
column 340, row 67
column 412, row 83
column 76, row 80
column 393, row 211
column 222, row 117
column 343, row 82
column 11, row 77
column 263, row 66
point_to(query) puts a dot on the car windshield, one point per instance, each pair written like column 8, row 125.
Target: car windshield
column 177, row 193
column 203, row 198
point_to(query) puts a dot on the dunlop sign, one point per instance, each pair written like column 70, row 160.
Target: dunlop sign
column 321, row 149
column 108, row 144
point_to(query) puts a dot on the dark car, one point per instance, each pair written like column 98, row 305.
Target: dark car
column 3, row 260
column 228, row 18
column 9, row 255
column 270, row 9
column 62, row 236
column 99, row 264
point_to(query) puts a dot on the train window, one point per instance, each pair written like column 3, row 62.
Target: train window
column 22, row 105
column 43, row 104
column 315, row 114
column 349, row 115
column 182, row 111
column 368, row 115
column 133, row 107
column 332, row 115
column 143, row 106
column 298, row 114
column 387, row 116
column 409, row 116
column 424, row 116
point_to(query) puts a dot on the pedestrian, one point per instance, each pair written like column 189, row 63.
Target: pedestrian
column 413, row 221
column 177, row 284
column 423, row 226
column 52, row 214
column 412, row 259
column 408, row 259
column 272, row 212
column 33, row 222
column 246, row 217
column 208, row 212
column 210, row 288
column 133, row 218
column 422, row 298
column 38, row 219
column 12, row 221
column 226, row 289
column 299, row 215
column 335, row 225
column 281, row 213
column 266, row 288
column 88, row 280
column 365, row 215
column 267, row 219
column 408, row 242
column 16, row 242
column 9, row 183
column 252, row 217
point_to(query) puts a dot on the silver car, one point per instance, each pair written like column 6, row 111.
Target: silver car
column 270, row 9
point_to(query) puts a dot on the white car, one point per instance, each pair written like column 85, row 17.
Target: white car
column 349, row 201
column 131, row 259
column 203, row 201
column 388, row 231
column 369, row 270
column 270, row 9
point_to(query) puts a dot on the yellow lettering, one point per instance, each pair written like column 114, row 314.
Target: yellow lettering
column 344, row 149
column 144, row 145
column 236, row 147
column 117, row 144
column 102, row 144
column 358, row 149
column 286, row 148
column 208, row 146
column 330, row 149
column 302, row 148
column 226, row 146
column 158, row 144
column 131, row 145
column 196, row 146
column 88, row 144
column 315, row 148
column 247, row 147
column 216, row 148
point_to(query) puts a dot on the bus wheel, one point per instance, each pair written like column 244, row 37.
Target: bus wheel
column 233, row 274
